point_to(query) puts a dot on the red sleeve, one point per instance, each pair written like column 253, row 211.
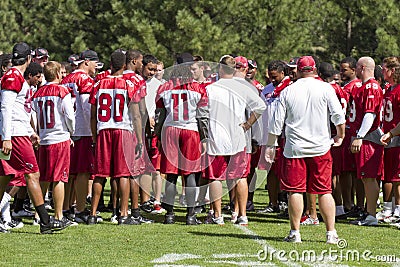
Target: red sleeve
column 133, row 93
column 93, row 94
column 63, row 91
column 142, row 88
column 13, row 81
column 85, row 84
column 204, row 98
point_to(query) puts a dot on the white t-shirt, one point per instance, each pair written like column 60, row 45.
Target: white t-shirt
column 305, row 107
column 152, row 87
column 228, row 101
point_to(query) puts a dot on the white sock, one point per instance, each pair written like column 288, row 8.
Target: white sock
column 294, row 232
column 331, row 232
column 5, row 200
column 5, row 212
column 387, row 208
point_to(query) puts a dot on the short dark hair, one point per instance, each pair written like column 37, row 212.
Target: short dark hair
column 325, row 70
column 277, row 65
column 351, row 61
column 149, row 59
column 118, row 60
column 132, row 54
column 228, row 64
column 33, row 69
column 5, row 59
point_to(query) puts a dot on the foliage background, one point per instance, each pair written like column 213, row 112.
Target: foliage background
column 261, row 29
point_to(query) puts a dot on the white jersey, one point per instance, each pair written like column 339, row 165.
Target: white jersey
column 16, row 107
column 150, row 98
column 81, row 85
column 183, row 103
column 228, row 101
column 305, row 107
column 112, row 96
column 55, row 113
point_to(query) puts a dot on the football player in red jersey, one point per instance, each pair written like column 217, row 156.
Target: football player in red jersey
column 56, row 122
column 391, row 117
column 348, row 179
column 81, row 84
column 114, row 117
column 18, row 136
column 251, row 74
column 364, row 121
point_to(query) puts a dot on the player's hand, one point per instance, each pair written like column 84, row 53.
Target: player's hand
column 6, row 147
column 203, row 148
column 35, row 139
column 138, row 151
column 385, row 139
column 337, row 141
column 356, row 146
column 71, row 142
column 152, row 123
column 270, row 154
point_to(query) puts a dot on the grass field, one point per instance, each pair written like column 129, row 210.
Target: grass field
column 259, row 244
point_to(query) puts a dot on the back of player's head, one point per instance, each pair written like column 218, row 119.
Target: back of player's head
column 118, row 60
column 391, row 62
column 33, row 69
column 349, row 60
column 227, row 63
column 20, row 54
column 132, row 54
column 325, row 70
column 149, row 59
column 52, row 70
column 277, row 65
column 5, row 62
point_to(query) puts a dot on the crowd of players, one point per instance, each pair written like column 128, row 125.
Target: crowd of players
column 69, row 126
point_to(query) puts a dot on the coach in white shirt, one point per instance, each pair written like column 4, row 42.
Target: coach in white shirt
column 304, row 108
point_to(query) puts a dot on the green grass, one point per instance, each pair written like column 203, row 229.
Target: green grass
column 207, row 245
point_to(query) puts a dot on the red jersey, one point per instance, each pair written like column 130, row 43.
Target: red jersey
column 391, row 108
column 258, row 85
column 348, row 87
column 111, row 96
column 137, row 80
column 366, row 98
column 102, row 75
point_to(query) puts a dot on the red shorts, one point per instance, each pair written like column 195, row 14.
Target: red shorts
column 18, row 180
column 82, row 156
column 226, row 167
column 22, row 160
column 391, row 161
column 54, row 162
column 181, row 151
column 337, row 160
column 115, row 154
column 143, row 164
column 369, row 160
column 153, row 152
column 349, row 161
column 312, row 175
column 255, row 158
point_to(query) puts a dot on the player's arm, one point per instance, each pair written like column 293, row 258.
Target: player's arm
column 385, row 139
column 7, row 103
column 337, row 117
column 366, row 125
column 137, row 126
column 69, row 113
column 93, row 122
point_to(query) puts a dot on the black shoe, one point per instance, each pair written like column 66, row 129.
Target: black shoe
column 200, row 209
column 52, row 226
column 169, row 218
column 82, row 217
column 192, row 220
column 127, row 220
column 69, row 215
column 269, row 209
column 142, row 219
column 146, row 207
column 69, row 222
column 91, row 220
column 284, row 214
column 249, row 206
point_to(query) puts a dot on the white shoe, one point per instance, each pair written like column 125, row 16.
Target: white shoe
column 242, row 220
column 218, row 220
column 383, row 215
column 293, row 238
column 234, row 217
column 13, row 224
column 114, row 219
column 366, row 220
column 310, row 221
column 332, row 238
column 36, row 221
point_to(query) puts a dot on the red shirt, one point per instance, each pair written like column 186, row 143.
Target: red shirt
column 391, row 108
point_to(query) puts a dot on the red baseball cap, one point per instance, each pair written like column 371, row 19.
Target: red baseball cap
column 306, row 64
column 241, row 62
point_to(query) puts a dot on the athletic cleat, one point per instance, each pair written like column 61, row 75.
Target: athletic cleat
column 310, row 221
column 142, row 219
column 91, row 220
column 192, row 220
column 234, row 217
column 82, row 217
column 13, row 224
column 36, row 221
column 332, row 238
column 114, row 219
column 24, row 213
column 218, row 220
column 47, row 205
column 282, row 206
column 269, row 209
column 366, row 220
column 3, row 229
column 68, row 222
column 127, row 220
column 157, row 209
column 242, row 220
column 355, row 212
column 249, row 206
column 293, row 238
column 152, row 200
column 69, row 214
column 384, row 216
column 146, row 207
column 210, row 216
column 53, row 226
column 169, row 218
